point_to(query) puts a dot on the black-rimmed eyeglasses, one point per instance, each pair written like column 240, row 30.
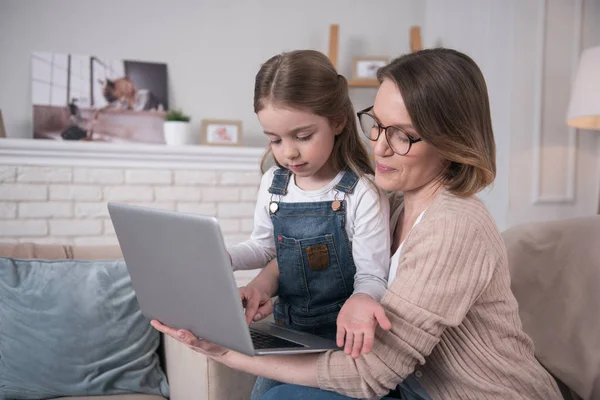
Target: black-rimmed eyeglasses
column 399, row 141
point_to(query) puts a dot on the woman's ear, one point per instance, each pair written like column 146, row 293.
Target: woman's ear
column 338, row 125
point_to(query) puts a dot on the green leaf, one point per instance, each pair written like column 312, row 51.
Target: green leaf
column 177, row 115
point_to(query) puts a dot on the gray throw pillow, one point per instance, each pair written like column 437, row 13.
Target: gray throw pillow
column 74, row 328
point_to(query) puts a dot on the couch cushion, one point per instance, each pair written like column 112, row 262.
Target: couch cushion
column 34, row 250
column 74, row 328
column 555, row 273
column 116, row 397
column 59, row 252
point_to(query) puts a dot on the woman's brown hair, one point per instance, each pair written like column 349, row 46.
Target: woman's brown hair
column 446, row 98
column 306, row 80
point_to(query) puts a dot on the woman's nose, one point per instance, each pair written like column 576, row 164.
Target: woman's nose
column 381, row 147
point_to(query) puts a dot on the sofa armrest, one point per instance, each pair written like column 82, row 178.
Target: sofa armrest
column 186, row 370
column 193, row 376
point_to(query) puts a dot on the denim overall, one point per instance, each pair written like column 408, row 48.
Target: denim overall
column 316, row 269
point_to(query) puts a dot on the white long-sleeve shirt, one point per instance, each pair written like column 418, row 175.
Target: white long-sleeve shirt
column 367, row 227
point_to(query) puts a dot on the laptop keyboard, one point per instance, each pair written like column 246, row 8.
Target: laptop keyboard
column 264, row 341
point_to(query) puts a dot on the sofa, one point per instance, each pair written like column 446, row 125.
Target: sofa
column 555, row 275
column 190, row 375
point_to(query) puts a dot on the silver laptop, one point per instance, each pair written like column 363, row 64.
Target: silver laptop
column 182, row 276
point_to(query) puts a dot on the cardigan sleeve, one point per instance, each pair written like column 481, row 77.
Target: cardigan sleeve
column 445, row 266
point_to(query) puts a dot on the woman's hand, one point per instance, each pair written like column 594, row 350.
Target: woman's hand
column 257, row 303
column 209, row 349
column 356, row 323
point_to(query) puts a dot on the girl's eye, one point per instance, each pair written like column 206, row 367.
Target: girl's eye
column 304, row 138
column 275, row 141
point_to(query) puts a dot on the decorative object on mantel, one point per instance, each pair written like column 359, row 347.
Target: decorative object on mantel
column 2, row 131
column 584, row 107
column 334, row 40
column 177, row 129
column 415, row 39
column 365, row 69
column 78, row 97
column 221, row 132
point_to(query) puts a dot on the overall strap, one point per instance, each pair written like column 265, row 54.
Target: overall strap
column 281, row 178
column 348, row 182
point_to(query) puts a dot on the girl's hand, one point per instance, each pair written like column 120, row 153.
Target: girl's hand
column 209, row 349
column 257, row 303
column 356, row 323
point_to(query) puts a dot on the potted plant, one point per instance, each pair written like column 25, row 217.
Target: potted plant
column 177, row 129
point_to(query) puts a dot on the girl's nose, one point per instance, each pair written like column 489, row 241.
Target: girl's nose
column 291, row 152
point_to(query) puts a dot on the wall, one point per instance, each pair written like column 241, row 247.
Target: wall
column 56, row 192
column 554, row 170
column 213, row 48
column 67, row 205
column 527, row 51
column 488, row 38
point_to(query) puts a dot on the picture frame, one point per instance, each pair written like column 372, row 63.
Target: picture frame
column 365, row 68
column 93, row 98
column 219, row 132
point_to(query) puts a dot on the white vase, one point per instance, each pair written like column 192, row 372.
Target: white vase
column 178, row 133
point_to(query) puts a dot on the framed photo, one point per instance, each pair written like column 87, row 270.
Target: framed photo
column 365, row 68
column 91, row 98
column 221, row 132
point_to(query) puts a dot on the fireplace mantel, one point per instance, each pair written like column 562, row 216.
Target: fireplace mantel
column 94, row 154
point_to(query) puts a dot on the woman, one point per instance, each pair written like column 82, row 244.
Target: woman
column 456, row 332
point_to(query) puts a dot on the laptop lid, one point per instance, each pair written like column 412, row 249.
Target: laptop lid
column 179, row 267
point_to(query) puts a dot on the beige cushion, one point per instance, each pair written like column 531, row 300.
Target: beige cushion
column 116, row 397
column 555, row 271
column 57, row 252
column 30, row 250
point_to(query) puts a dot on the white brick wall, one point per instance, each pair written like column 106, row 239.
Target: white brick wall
column 18, row 228
column 221, row 194
column 149, row 176
column 18, row 191
column 48, row 209
column 75, row 192
column 240, row 210
column 8, row 174
column 177, row 193
column 249, row 193
column 198, row 208
column 91, row 210
column 189, row 177
column 73, row 227
column 128, row 193
column 43, row 174
column 67, row 205
column 239, row 178
column 8, row 210
column 98, row 175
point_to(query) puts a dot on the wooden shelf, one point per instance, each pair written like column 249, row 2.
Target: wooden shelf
column 415, row 39
column 363, row 84
column 334, row 42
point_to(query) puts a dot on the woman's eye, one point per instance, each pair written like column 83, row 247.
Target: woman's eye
column 275, row 141
column 304, row 138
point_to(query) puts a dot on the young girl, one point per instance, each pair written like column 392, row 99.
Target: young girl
column 317, row 212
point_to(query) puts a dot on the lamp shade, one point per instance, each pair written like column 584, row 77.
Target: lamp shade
column 584, row 108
